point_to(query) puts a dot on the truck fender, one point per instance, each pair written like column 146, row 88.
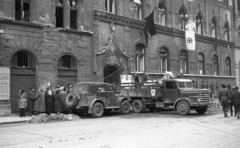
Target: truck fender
column 180, row 99
column 120, row 99
column 92, row 103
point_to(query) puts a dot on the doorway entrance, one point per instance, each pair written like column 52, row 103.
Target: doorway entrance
column 112, row 75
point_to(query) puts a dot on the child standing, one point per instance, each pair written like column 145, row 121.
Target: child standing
column 22, row 104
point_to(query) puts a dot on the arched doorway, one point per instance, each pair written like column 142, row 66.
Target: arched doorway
column 112, row 75
column 23, row 71
column 67, row 70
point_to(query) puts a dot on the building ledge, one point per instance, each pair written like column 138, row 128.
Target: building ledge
column 209, row 76
column 21, row 23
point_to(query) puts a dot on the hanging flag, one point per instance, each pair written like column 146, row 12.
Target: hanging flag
column 190, row 34
column 149, row 26
column 190, row 40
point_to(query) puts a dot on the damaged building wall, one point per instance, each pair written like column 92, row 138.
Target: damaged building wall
column 38, row 52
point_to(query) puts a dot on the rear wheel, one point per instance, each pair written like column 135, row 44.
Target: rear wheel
column 137, row 106
column 183, row 107
column 125, row 107
column 97, row 110
column 201, row 110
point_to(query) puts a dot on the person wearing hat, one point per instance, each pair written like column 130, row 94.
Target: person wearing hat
column 224, row 98
column 40, row 106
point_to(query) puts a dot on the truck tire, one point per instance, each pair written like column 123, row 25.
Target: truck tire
column 97, row 110
column 71, row 101
column 183, row 107
column 125, row 107
column 201, row 110
column 137, row 106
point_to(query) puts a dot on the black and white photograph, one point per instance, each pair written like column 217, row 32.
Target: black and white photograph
column 119, row 73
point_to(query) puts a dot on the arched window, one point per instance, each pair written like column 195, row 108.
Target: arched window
column 163, row 53
column 110, row 6
column 228, row 66
column 182, row 18
column 67, row 62
column 213, row 28
column 226, row 32
column 140, row 57
column 138, row 9
column 199, row 24
column 215, row 65
column 162, row 14
column 183, row 62
column 23, row 59
column 201, row 63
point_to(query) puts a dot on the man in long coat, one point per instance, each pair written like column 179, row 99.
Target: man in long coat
column 224, row 97
column 236, row 101
column 39, row 106
column 57, row 102
column 31, row 101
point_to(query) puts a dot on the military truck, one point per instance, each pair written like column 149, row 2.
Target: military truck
column 177, row 94
column 95, row 98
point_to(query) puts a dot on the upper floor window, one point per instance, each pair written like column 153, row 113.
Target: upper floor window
column 23, row 59
column 22, row 10
column 215, row 65
column 183, row 62
column 67, row 62
column 228, row 66
column 73, row 14
column 163, row 53
column 226, row 32
column 162, row 14
column 110, row 6
column 182, row 18
column 140, row 57
column 225, row 2
column 59, row 13
column 239, row 33
column 201, row 63
column 199, row 24
column 213, row 28
column 138, row 9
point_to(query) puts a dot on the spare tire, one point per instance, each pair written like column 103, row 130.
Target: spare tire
column 71, row 101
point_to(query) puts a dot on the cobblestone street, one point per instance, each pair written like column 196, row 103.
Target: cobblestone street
column 152, row 130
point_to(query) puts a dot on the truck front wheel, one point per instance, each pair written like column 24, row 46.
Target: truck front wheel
column 201, row 110
column 183, row 107
column 137, row 106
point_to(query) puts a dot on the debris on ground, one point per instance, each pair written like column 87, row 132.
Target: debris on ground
column 43, row 118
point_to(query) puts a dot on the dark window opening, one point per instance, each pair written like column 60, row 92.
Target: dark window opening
column 171, row 85
column 59, row 16
column 73, row 19
column 67, row 62
column 23, row 60
column 22, row 10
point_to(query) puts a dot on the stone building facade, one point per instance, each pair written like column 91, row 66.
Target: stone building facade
column 42, row 47
column 209, row 66
column 68, row 41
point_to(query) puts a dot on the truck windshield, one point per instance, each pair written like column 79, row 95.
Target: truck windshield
column 185, row 85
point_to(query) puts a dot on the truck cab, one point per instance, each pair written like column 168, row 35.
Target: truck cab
column 182, row 96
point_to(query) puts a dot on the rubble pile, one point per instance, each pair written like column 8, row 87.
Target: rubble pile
column 43, row 118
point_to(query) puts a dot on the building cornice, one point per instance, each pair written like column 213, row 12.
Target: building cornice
column 21, row 23
column 122, row 20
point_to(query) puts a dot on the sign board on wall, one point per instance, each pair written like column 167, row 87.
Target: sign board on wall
column 4, row 83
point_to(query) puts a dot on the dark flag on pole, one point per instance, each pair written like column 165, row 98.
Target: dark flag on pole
column 149, row 26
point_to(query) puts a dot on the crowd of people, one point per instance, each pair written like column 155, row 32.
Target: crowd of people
column 46, row 100
column 229, row 100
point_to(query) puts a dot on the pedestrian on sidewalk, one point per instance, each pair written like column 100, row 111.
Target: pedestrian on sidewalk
column 57, row 102
column 236, row 102
column 231, row 106
column 224, row 97
column 49, row 100
column 22, row 104
column 31, row 99
column 40, row 106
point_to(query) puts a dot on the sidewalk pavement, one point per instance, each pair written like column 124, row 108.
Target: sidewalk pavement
column 14, row 119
